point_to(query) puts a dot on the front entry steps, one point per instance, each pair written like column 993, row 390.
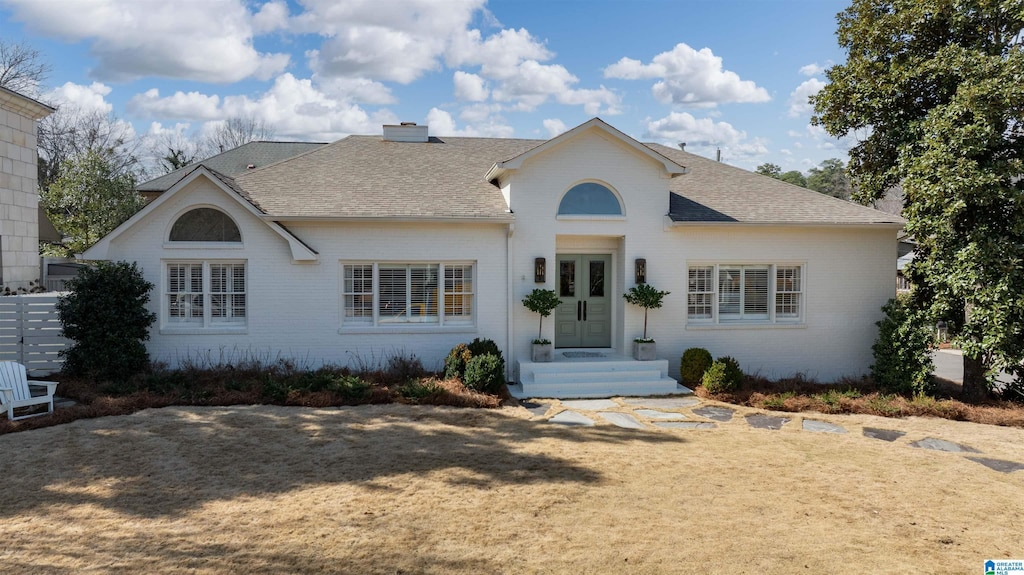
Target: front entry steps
column 594, row 373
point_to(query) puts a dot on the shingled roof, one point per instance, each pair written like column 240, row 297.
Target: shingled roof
column 716, row 192
column 369, row 177
column 234, row 161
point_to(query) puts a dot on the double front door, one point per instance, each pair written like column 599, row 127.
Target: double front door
column 584, row 318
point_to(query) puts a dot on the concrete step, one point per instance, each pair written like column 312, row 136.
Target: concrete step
column 565, row 390
column 596, row 376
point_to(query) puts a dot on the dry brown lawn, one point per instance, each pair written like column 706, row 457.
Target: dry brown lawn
column 404, row 489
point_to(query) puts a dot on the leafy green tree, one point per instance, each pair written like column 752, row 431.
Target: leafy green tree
column 794, row 177
column 933, row 89
column 89, row 199
column 105, row 315
column 829, row 178
column 769, row 169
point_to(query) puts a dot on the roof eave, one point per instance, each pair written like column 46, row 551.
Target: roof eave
column 509, row 218
column 778, row 223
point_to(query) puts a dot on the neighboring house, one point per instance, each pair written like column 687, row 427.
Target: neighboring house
column 904, row 255
column 20, row 216
column 411, row 244
column 233, row 162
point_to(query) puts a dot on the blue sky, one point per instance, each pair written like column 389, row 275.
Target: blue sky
column 726, row 74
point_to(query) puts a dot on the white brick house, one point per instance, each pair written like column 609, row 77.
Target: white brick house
column 409, row 243
column 19, row 191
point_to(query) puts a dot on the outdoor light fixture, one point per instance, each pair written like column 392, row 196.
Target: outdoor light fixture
column 641, row 270
column 539, row 269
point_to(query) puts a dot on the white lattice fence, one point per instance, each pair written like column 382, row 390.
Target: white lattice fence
column 30, row 332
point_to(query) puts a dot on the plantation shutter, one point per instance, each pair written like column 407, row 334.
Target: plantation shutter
column 755, row 293
column 393, row 303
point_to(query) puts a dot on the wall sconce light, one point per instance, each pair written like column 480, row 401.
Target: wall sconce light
column 539, row 270
column 641, row 270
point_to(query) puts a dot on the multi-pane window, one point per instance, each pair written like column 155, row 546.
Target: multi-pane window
column 700, row 292
column 724, row 293
column 381, row 294
column 206, row 294
column 787, row 291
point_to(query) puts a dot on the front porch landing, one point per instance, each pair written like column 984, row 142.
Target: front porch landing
column 578, row 373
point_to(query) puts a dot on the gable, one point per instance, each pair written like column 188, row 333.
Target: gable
column 202, row 187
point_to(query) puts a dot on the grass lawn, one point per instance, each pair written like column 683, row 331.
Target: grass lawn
column 417, row 489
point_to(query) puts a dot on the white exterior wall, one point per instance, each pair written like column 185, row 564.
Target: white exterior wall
column 19, row 199
column 848, row 273
column 295, row 309
column 847, row 276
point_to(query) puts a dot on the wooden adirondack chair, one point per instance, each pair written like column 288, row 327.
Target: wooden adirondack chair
column 15, row 392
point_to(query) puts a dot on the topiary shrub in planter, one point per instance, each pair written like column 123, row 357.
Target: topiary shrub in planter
column 692, row 366
column 485, row 373
column 105, row 315
column 645, row 296
column 543, row 302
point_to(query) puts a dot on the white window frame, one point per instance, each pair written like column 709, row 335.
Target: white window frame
column 451, row 294
column 208, row 321
column 778, row 291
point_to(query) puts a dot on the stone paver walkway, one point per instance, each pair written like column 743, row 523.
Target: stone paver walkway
column 675, row 413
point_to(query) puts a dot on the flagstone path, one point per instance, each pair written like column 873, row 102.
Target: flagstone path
column 691, row 413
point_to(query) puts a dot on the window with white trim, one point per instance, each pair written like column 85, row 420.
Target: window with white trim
column 205, row 294
column 744, row 293
column 386, row 293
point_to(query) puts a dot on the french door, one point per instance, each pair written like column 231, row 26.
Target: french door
column 584, row 319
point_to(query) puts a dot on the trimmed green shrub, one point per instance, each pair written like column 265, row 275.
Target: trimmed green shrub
column 460, row 355
column 484, row 346
column 733, row 373
column 455, row 363
column 105, row 315
column 714, row 379
column 485, row 373
column 420, row 389
column 903, row 363
column 695, row 362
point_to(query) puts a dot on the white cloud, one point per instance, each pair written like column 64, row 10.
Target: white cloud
column 358, row 90
column 554, row 127
column 814, row 69
column 798, row 103
column 442, row 124
column 204, row 41
column 500, row 55
column 469, row 87
column 398, row 42
column 88, row 99
column 270, row 17
column 704, row 136
column 688, row 76
column 293, row 107
column 178, row 106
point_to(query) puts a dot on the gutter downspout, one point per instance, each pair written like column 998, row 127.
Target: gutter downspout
column 509, row 291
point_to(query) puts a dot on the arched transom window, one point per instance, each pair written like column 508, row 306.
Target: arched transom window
column 205, row 225
column 590, row 199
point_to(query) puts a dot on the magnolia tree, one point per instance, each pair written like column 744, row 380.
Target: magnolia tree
column 932, row 90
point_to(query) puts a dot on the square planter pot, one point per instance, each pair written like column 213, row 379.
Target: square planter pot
column 542, row 352
column 647, row 351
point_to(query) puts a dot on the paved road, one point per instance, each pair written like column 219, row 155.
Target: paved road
column 949, row 364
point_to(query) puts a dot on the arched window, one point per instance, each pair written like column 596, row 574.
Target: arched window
column 205, row 225
column 589, row 199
